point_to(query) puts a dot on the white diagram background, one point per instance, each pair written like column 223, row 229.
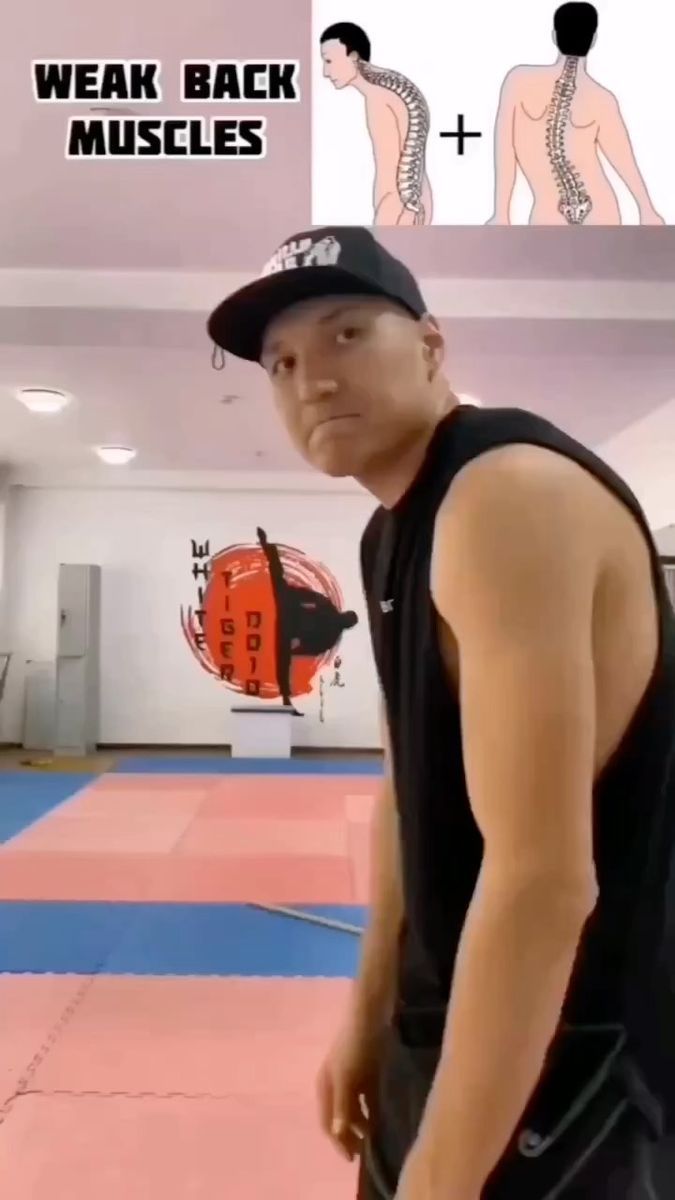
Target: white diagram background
column 458, row 55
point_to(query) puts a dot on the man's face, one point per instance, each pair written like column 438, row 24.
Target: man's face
column 350, row 378
column 338, row 66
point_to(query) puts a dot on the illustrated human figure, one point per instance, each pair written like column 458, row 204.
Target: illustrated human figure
column 397, row 116
column 308, row 623
column 552, row 121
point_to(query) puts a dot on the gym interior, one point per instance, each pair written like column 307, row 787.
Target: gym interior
column 184, row 834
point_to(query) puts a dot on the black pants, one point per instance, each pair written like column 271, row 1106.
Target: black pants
column 608, row 1151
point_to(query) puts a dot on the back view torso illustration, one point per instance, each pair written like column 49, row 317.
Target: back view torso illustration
column 559, row 122
column 555, row 122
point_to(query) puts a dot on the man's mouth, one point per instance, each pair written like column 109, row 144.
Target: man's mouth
column 336, row 417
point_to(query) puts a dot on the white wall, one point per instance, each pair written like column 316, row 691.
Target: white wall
column 153, row 691
column 644, row 454
column 4, row 499
column 665, row 540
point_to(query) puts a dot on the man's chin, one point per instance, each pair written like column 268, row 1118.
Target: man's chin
column 338, row 464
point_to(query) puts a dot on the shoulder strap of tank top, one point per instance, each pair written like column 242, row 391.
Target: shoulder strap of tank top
column 382, row 576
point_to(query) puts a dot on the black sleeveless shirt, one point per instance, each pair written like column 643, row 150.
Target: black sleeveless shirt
column 623, row 974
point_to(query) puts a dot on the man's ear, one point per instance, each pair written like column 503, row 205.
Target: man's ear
column 433, row 345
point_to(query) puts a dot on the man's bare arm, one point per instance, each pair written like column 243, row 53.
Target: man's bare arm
column 614, row 141
column 374, row 988
column 383, row 129
column 504, row 150
column 514, row 577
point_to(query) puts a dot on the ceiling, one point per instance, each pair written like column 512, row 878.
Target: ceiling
column 108, row 269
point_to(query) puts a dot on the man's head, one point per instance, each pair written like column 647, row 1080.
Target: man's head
column 575, row 28
column 354, row 378
column 342, row 331
column 342, row 47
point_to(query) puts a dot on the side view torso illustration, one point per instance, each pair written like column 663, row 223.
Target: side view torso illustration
column 398, row 121
column 552, row 123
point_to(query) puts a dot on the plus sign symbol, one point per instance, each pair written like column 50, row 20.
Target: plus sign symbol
column 460, row 133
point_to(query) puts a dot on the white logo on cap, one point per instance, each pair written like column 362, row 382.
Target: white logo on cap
column 304, row 252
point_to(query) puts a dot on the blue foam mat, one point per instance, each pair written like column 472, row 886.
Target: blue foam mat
column 162, row 939
column 26, row 798
column 173, row 939
column 204, row 764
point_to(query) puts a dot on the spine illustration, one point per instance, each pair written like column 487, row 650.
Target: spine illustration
column 410, row 173
column 575, row 203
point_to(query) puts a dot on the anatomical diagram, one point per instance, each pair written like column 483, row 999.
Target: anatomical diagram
column 397, row 118
column 574, row 203
column 553, row 122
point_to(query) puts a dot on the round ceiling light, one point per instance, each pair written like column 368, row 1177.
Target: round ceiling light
column 43, row 400
column 116, row 456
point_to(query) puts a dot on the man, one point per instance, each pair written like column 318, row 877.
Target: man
column 551, row 122
column 511, row 1034
column 397, row 116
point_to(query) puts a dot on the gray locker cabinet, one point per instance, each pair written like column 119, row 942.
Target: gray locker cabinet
column 39, row 706
column 78, row 659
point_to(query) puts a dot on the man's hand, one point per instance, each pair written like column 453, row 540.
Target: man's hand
column 344, row 1089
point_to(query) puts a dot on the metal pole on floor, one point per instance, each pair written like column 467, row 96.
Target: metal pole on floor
column 311, row 918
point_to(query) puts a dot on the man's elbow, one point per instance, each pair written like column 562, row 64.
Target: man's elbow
column 569, row 903
column 563, row 900
column 565, row 905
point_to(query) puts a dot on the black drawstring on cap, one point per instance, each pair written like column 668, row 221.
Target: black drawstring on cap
column 218, row 358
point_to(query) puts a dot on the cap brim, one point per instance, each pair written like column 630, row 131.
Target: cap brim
column 238, row 324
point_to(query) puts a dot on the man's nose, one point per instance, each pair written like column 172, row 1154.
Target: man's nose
column 312, row 387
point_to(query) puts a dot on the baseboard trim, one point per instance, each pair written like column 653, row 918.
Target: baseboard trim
column 225, row 751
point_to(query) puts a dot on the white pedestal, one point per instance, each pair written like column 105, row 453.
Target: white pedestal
column 259, row 732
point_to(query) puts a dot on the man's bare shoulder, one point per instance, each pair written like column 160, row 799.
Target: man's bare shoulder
column 524, row 72
column 528, row 463
column 533, row 487
column 530, row 74
column 520, row 80
column 602, row 95
column 518, row 514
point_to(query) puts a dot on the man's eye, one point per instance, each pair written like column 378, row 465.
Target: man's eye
column 348, row 334
column 282, row 366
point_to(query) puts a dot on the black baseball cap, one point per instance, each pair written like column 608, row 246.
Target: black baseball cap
column 320, row 262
